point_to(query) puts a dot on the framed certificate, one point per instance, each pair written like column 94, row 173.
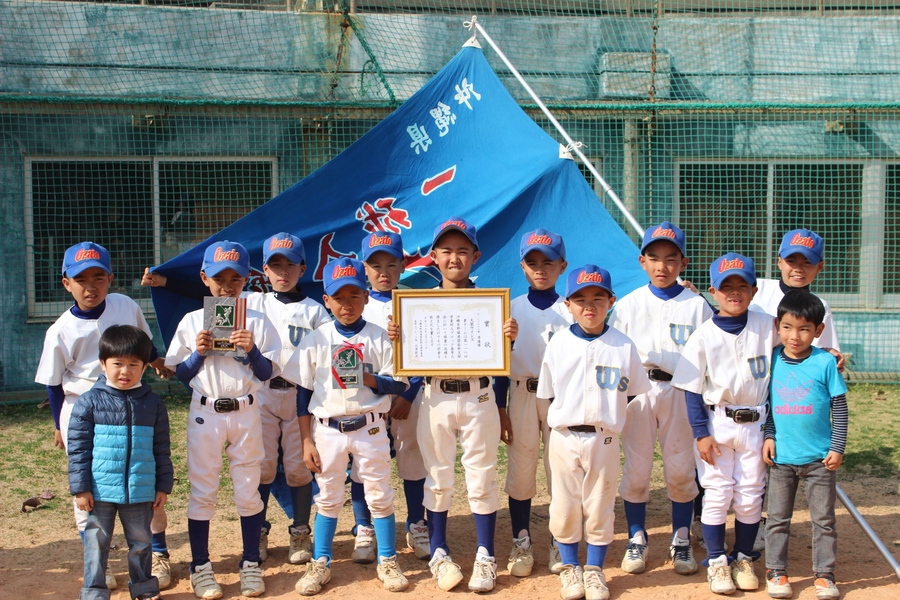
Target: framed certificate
column 451, row 333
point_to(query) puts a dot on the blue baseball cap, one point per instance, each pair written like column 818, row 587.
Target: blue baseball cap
column 285, row 244
column 457, row 224
column 84, row 256
column 226, row 255
column 343, row 271
column 803, row 241
column 382, row 241
column 587, row 276
column 665, row 231
column 546, row 242
column 732, row 264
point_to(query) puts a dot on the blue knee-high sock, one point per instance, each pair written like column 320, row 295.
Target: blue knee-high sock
column 81, row 534
column 386, row 536
column 265, row 490
column 301, row 502
column 714, row 536
column 485, row 528
column 415, row 496
column 596, row 555
column 360, row 509
column 682, row 514
column 323, row 536
column 698, row 500
column 282, row 493
column 636, row 515
column 520, row 516
column 250, row 531
column 744, row 538
column 158, row 543
column 568, row 553
column 437, row 531
column 198, row 534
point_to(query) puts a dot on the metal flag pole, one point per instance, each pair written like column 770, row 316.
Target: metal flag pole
column 869, row 531
column 572, row 145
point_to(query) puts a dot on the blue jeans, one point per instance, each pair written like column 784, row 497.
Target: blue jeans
column 135, row 520
column 820, row 495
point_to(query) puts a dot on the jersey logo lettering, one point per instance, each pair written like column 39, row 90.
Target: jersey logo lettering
column 231, row 255
column 759, row 366
column 799, row 240
column 86, row 255
column 680, row 333
column 623, row 384
column 794, row 409
column 374, row 430
column 348, row 271
column 296, row 334
column 607, row 441
column 731, row 264
column 608, row 377
column 483, row 398
column 660, row 232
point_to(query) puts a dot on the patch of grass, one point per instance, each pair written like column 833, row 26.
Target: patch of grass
column 873, row 439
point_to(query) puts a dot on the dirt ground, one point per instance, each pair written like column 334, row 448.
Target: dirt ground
column 41, row 555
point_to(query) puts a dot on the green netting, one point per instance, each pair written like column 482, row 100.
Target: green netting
column 146, row 126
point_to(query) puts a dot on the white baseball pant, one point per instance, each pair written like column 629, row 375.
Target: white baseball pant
column 280, row 425
column 65, row 414
column 528, row 418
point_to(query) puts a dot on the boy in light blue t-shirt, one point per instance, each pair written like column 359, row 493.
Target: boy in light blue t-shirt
column 806, row 434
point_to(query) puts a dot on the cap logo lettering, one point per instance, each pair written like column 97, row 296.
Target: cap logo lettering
column 384, row 240
column 459, row 224
column 539, row 239
column 220, row 255
column 799, row 240
column 285, row 243
column 347, row 271
column 731, row 264
column 86, row 255
column 660, row 232
column 585, row 277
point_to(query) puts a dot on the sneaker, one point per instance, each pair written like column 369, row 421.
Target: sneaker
column 301, row 545
column 445, row 571
column 111, row 582
column 417, row 540
column 364, row 546
column 682, row 556
column 635, row 559
column 777, row 584
column 263, row 544
column 697, row 532
column 484, row 573
column 595, row 584
column 203, row 583
column 742, row 573
column 318, row 573
column 390, row 574
column 252, row 583
column 571, row 580
column 555, row 563
column 718, row 574
column 161, row 569
column 521, row 557
column 759, row 544
column 826, row 588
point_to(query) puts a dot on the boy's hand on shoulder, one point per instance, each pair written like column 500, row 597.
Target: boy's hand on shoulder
column 84, row 501
column 160, row 500
column 768, row 453
column 838, row 356
column 511, row 329
column 506, row 433
column 311, row 456
column 58, row 440
column 204, row 342
column 400, row 408
column 159, row 365
column 242, row 338
column 153, row 279
column 393, row 329
column 833, row 460
column 708, row 449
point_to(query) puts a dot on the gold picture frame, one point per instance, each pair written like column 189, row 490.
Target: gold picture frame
column 451, row 333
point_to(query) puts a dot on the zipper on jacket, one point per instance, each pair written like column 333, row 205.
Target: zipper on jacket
column 128, row 447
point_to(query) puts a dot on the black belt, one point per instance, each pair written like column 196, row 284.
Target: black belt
column 351, row 424
column 224, row 405
column 740, row 415
column 459, row 386
column 659, row 375
column 280, row 383
column 583, row 429
column 531, row 385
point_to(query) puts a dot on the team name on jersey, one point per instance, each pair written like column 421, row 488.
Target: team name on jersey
column 759, row 366
column 799, row 240
column 296, row 334
column 680, row 333
column 231, row 255
column 87, row 254
column 610, row 378
column 660, row 232
column 286, row 243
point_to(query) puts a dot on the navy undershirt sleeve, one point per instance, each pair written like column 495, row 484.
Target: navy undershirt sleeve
column 415, row 383
column 187, row 370
column 261, row 366
column 303, row 398
column 389, row 385
column 501, row 389
column 56, row 396
column 698, row 414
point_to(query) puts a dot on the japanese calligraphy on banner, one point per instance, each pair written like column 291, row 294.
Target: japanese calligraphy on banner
column 456, row 333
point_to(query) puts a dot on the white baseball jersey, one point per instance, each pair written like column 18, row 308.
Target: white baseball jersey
column 377, row 312
column 729, row 369
column 310, row 367
column 293, row 320
column 224, row 376
column 769, row 296
column 590, row 380
column 536, row 327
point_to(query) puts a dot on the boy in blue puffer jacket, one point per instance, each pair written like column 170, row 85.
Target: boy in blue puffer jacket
column 119, row 461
